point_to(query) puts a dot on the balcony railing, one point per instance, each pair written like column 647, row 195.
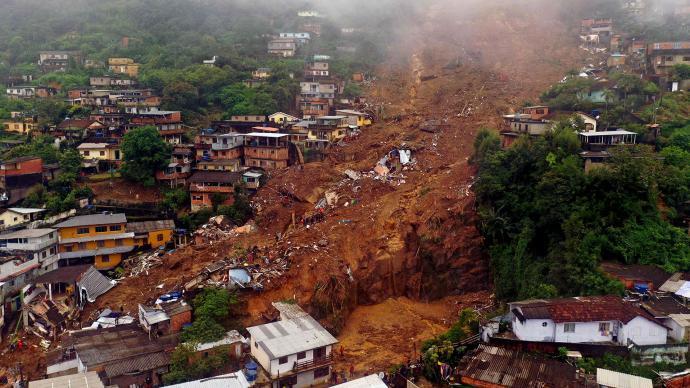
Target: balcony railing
column 314, row 363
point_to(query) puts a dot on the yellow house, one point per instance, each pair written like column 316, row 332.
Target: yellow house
column 17, row 215
column 98, row 239
column 329, row 128
column 97, row 154
column 282, row 118
column 152, row 234
column 123, row 66
column 21, row 125
column 359, row 119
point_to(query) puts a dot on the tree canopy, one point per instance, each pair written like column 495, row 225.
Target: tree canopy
column 144, row 152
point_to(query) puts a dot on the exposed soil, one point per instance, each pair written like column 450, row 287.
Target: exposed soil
column 126, row 193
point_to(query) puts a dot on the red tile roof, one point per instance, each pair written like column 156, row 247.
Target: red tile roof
column 583, row 309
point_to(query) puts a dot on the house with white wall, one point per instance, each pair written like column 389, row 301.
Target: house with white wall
column 590, row 319
column 295, row 351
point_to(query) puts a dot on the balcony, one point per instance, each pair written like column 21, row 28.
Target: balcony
column 314, row 363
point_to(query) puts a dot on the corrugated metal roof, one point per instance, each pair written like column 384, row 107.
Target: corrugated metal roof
column 231, row 380
column 150, row 226
column 609, row 378
column 80, row 380
column 289, row 310
column 142, row 363
column 93, row 219
column 291, row 336
column 25, row 210
column 95, row 284
column 511, row 368
column 371, row 381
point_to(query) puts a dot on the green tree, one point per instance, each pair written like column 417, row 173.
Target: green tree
column 144, row 152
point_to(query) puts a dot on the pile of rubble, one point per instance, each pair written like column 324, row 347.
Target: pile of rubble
column 220, row 228
column 141, row 264
column 250, row 270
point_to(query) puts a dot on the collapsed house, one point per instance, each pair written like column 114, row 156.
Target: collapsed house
column 58, row 296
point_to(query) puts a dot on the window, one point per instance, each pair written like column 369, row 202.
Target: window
column 102, row 153
column 114, row 228
column 118, row 243
column 86, row 153
column 569, row 328
column 544, row 324
column 686, row 59
column 319, row 353
column 159, row 237
column 82, row 230
column 301, row 355
column 100, row 244
column 282, row 360
column 101, row 229
column 669, row 58
column 322, row 372
column 105, row 258
column 82, row 246
column 68, row 248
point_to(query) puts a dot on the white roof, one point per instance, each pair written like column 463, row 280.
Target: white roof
column 80, row 380
column 27, row 233
column 350, row 112
column 371, row 381
column 231, row 337
column 263, row 134
column 92, row 145
column 252, row 174
column 25, row 210
column 230, row 380
column 283, row 338
column 613, row 379
column 331, row 117
column 607, row 133
column 684, row 290
column 683, row 320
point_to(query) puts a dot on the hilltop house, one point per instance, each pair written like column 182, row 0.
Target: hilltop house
column 355, row 118
column 585, row 320
column 328, row 128
column 50, row 61
column 21, row 124
column 316, row 69
column 175, row 174
column 295, row 351
column 125, row 66
column 206, row 186
column 23, row 255
column 27, row 92
column 100, row 156
column 281, row 118
column 283, row 47
column 168, row 123
column 18, row 176
column 98, row 239
column 662, row 56
column 301, row 38
column 165, row 318
column 267, row 150
column 151, row 234
column 15, row 216
column 124, row 355
column 262, row 73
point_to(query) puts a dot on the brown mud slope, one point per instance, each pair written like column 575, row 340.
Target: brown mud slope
column 414, row 237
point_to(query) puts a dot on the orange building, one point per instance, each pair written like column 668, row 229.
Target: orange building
column 266, row 150
column 205, row 185
column 152, row 234
column 98, row 239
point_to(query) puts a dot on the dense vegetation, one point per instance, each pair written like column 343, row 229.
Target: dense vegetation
column 548, row 224
column 213, row 317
